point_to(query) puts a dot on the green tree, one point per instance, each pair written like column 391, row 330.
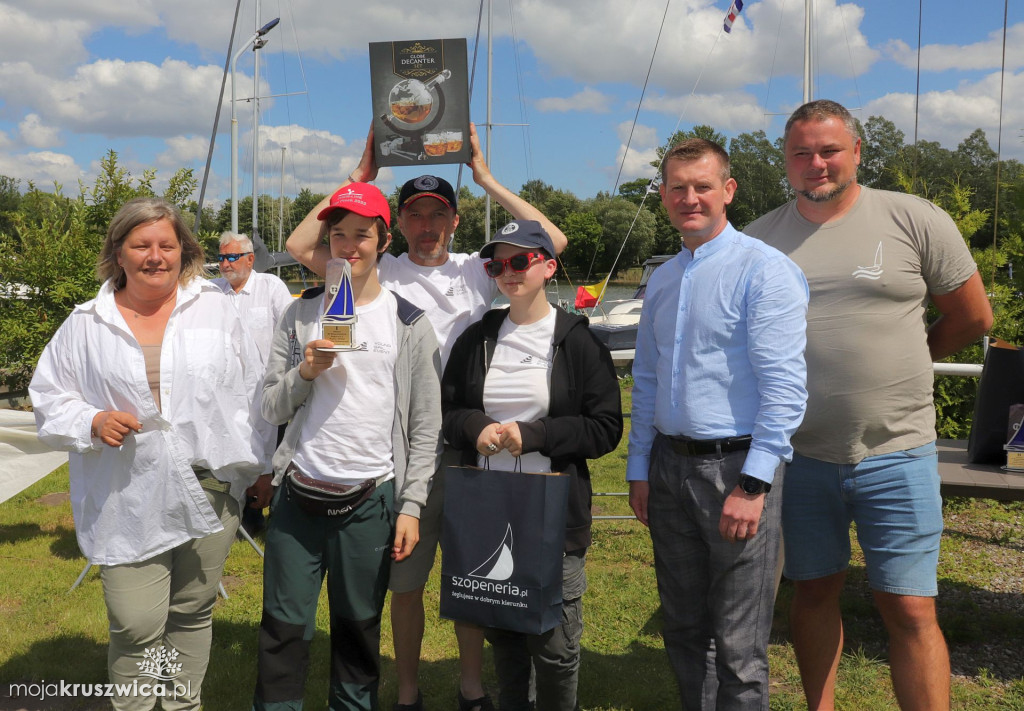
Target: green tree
column 585, row 244
column 759, row 168
column 622, row 227
column 113, row 188
column 880, row 153
column 556, row 204
column 10, row 199
column 47, row 271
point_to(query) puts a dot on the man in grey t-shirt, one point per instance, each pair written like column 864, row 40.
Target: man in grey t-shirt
column 866, row 450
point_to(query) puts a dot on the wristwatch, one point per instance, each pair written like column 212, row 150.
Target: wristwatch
column 753, row 486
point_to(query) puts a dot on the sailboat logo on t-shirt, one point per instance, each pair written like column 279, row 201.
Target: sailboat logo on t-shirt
column 528, row 359
column 456, row 290
column 874, row 271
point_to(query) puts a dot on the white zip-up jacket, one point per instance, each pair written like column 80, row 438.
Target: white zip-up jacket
column 140, row 499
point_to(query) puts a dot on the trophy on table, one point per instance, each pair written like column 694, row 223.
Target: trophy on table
column 339, row 319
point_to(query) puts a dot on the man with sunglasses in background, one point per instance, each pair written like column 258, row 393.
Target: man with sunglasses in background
column 260, row 299
column 455, row 291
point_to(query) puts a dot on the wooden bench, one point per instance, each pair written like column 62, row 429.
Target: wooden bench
column 976, row 481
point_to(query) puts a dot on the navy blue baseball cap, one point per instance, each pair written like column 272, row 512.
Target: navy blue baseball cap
column 520, row 233
column 427, row 186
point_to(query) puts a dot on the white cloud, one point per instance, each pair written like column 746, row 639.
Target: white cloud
column 314, row 159
column 986, row 54
column 726, row 112
column 642, row 135
column 5, row 140
column 43, row 168
column 183, row 150
column 33, row 133
column 948, row 117
column 588, row 99
column 50, row 44
column 637, row 163
column 572, row 38
column 119, row 98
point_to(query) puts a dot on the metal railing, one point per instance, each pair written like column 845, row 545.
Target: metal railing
column 963, row 370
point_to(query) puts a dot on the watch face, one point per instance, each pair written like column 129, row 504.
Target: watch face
column 753, row 485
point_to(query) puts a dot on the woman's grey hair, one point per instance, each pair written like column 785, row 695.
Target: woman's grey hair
column 229, row 237
column 143, row 211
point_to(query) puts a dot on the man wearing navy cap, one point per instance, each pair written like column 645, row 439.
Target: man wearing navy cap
column 455, row 291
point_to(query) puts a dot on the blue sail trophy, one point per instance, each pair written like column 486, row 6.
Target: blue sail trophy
column 339, row 319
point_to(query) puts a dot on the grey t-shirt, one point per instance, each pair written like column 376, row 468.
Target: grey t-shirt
column 869, row 373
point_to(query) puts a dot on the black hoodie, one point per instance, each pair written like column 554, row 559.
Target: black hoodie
column 584, row 419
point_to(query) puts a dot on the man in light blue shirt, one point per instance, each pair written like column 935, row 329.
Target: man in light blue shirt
column 719, row 389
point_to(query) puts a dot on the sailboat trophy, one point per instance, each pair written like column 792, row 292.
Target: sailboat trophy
column 339, row 319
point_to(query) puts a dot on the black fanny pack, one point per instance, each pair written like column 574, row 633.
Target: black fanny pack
column 324, row 498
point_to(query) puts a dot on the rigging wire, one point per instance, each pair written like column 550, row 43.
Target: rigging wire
column 917, row 91
column 849, row 53
column 999, row 149
column 775, row 54
column 643, row 200
column 640, row 103
column 472, row 81
column 527, row 146
column 216, row 117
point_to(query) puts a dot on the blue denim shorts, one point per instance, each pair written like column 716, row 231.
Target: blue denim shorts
column 894, row 500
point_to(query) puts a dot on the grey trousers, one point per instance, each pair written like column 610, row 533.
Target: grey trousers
column 717, row 597
column 167, row 601
column 554, row 655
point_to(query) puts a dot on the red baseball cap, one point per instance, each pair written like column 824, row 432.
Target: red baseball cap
column 361, row 198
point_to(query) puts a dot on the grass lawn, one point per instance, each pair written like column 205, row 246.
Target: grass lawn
column 48, row 633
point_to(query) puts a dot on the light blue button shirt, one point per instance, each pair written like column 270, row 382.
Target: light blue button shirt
column 720, row 352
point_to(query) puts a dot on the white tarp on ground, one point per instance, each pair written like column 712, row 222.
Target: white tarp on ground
column 24, row 460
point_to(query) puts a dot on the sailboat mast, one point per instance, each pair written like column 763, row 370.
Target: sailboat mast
column 255, row 131
column 808, row 52
column 487, row 156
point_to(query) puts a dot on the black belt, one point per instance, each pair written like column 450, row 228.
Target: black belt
column 701, row 447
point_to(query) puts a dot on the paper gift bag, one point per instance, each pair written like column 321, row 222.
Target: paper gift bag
column 502, row 544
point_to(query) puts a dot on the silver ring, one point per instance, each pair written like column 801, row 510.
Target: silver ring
column 492, row 447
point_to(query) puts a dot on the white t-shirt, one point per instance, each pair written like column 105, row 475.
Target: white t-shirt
column 518, row 384
column 260, row 303
column 453, row 295
column 347, row 437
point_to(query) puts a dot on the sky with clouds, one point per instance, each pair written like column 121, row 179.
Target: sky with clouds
column 141, row 77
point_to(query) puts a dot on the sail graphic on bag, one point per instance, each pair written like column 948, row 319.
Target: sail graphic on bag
column 499, row 565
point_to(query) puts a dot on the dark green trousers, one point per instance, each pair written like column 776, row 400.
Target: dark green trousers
column 354, row 553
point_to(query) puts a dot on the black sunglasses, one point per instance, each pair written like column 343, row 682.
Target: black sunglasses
column 517, row 262
column 232, row 257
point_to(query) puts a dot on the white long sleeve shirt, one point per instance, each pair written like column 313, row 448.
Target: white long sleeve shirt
column 135, row 501
column 261, row 303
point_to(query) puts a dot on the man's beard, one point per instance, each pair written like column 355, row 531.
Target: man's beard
column 826, row 195
column 438, row 251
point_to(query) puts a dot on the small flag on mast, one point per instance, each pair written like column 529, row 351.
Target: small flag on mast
column 734, row 11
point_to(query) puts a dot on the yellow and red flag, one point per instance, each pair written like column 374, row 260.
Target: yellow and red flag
column 589, row 296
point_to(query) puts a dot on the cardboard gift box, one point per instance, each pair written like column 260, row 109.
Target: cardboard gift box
column 420, row 94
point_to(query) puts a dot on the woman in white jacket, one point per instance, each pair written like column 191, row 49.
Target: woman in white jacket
column 150, row 387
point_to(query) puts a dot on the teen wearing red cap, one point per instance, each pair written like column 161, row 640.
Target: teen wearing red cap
column 354, row 465
column 454, row 290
